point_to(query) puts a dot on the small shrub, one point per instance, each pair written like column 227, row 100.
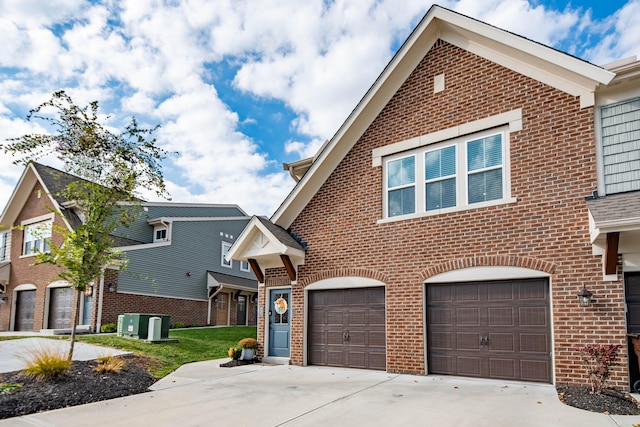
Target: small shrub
column 234, row 353
column 248, row 343
column 110, row 364
column 8, row 388
column 108, row 327
column 46, row 363
column 598, row 360
column 178, row 325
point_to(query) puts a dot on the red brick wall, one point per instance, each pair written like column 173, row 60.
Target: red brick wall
column 188, row 312
column 553, row 166
column 22, row 269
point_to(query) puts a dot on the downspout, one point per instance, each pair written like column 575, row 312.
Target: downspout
column 209, row 304
column 100, row 293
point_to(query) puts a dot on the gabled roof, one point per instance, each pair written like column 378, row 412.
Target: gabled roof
column 52, row 180
column 557, row 69
column 267, row 244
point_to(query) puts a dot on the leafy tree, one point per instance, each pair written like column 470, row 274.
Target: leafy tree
column 112, row 167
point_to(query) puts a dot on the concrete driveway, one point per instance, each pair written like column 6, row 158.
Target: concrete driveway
column 12, row 352
column 203, row 394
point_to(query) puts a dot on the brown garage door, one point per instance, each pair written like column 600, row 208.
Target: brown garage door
column 60, row 302
column 490, row 329
column 25, row 307
column 347, row 329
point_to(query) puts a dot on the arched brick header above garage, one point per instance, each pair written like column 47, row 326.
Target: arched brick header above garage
column 344, row 272
column 490, row 261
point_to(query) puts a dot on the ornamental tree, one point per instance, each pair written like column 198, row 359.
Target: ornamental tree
column 111, row 168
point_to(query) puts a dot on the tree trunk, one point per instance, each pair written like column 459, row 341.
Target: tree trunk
column 76, row 316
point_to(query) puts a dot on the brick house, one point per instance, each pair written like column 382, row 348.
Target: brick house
column 445, row 228
column 175, row 254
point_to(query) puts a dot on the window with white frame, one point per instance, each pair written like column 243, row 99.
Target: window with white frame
column 459, row 173
column 160, row 234
column 620, row 124
column 37, row 237
column 4, row 255
column 225, row 250
column 244, row 266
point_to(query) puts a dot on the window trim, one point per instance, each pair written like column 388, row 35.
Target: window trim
column 155, row 234
column 243, row 268
column 223, row 261
column 42, row 247
column 462, row 175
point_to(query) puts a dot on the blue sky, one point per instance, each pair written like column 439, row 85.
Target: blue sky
column 239, row 87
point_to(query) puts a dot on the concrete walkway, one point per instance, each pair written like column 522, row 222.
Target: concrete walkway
column 203, row 394
column 13, row 352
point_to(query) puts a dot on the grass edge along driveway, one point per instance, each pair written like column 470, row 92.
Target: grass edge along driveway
column 195, row 345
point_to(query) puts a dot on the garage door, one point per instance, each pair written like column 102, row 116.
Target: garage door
column 25, row 307
column 490, row 329
column 60, row 302
column 347, row 328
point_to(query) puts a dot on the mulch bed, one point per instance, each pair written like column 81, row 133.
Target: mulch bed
column 80, row 384
column 233, row 363
column 610, row 401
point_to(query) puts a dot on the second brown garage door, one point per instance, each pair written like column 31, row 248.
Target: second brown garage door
column 347, row 328
column 490, row 329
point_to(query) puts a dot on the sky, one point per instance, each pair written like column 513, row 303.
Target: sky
column 240, row 87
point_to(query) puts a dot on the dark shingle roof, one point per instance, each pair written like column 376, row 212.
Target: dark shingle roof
column 281, row 234
column 55, row 181
column 227, row 279
column 615, row 207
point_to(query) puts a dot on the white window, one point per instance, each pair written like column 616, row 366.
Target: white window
column 37, row 237
column 4, row 250
column 225, row 250
column 244, row 266
column 401, row 188
column 160, row 234
column 620, row 123
column 458, row 174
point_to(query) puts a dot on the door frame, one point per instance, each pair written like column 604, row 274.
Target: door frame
column 267, row 318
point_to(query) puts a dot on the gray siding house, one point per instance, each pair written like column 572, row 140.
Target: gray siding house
column 175, row 255
column 176, row 265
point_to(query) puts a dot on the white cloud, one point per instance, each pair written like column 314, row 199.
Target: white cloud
column 161, row 61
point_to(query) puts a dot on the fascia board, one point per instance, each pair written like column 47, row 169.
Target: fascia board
column 18, row 197
column 334, row 150
column 474, row 30
column 247, row 236
column 437, row 23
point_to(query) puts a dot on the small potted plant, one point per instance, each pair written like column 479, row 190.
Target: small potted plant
column 248, row 346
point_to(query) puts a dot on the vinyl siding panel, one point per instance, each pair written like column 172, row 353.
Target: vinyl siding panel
column 195, row 248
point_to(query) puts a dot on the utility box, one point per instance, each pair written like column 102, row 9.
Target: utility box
column 136, row 325
column 120, row 325
column 155, row 328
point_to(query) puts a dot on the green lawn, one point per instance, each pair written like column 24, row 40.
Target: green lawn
column 196, row 344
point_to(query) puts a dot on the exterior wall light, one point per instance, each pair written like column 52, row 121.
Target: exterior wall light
column 111, row 287
column 584, row 296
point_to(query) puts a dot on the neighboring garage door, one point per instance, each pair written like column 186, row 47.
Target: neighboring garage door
column 25, row 307
column 60, row 302
column 347, row 328
column 490, row 329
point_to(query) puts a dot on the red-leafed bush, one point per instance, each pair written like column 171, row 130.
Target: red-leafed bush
column 598, row 360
